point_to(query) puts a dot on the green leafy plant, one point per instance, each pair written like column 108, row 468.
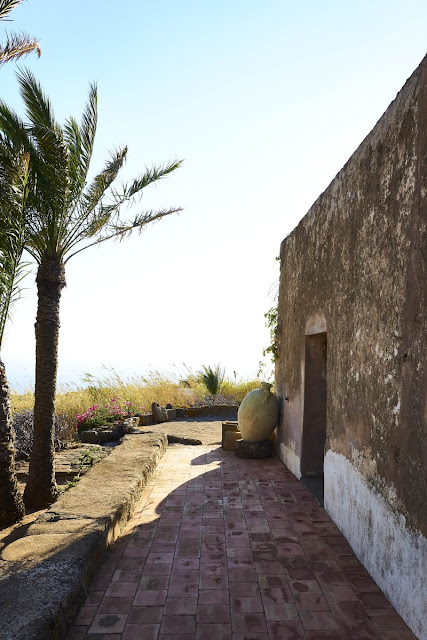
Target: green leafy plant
column 266, row 371
column 271, row 322
column 212, row 378
column 86, row 459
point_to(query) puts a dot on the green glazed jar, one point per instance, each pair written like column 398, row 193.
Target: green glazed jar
column 258, row 415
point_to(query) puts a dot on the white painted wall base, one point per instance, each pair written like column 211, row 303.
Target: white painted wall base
column 395, row 557
column 289, row 458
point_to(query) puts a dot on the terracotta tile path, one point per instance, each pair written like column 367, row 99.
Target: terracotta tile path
column 222, row 548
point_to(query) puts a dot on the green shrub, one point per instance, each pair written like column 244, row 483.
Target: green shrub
column 212, row 378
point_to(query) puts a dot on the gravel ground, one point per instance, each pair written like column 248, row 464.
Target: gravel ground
column 206, row 429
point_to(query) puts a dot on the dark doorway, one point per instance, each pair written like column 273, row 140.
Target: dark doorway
column 314, row 420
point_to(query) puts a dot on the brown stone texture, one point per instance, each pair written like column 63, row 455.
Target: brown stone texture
column 355, row 269
column 263, row 449
column 229, row 440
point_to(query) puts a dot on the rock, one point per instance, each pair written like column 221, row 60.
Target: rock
column 159, row 413
column 263, row 449
column 169, row 406
column 181, row 413
column 181, row 440
column 117, row 431
column 229, row 440
column 146, row 420
column 171, row 414
column 129, row 424
column 99, row 435
column 89, row 436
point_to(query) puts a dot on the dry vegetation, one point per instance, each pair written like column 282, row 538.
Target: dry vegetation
column 142, row 392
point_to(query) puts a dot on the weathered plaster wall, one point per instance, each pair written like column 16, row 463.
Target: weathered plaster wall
column 356, row 267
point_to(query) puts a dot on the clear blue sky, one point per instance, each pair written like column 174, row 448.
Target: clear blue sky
column 265, row 101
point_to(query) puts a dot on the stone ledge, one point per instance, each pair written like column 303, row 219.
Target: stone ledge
column 179, row 413
column 46, row 574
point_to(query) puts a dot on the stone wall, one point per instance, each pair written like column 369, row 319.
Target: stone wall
column 351, row 375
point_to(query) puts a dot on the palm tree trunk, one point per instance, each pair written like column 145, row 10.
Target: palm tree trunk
column 41, row 489
column 11, row 505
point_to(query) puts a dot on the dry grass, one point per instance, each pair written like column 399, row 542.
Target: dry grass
column 142, row 392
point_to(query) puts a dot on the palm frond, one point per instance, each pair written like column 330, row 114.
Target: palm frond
column 124, row 229
column 105, row 219
column 89, row 216
column 6, row 6
column 64, row 214
column 88, row 127
column 52, row 162
column 80, row 142
column 14, row 128
column 17, row 46
column 102, row 182
column 151, row 174
column 73, row 144
column 13, row 191
column 38, row 106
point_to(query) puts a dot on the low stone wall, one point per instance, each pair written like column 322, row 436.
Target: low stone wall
column 192, row 412
column 45, row 575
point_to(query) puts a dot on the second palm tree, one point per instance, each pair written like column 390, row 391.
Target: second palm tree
column 64, row 215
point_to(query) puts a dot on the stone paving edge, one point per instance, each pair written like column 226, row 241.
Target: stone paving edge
column 44, row 576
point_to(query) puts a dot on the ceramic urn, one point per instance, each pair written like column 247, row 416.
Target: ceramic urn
column 258, row 414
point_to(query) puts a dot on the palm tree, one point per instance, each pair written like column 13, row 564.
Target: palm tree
column 64, row 215
column 15, row 46
column 14, row 172
column 13, row 181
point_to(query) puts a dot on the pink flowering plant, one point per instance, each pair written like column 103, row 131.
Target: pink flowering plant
column 107, row 413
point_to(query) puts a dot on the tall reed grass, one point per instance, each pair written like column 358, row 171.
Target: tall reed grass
column 141, row 391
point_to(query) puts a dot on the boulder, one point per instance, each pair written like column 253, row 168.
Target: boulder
column 182, row 440
column 129, row 424
column 89, row 436
column 263, row 449
column 136, row 430
column 160, row 414
column 106, row 433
